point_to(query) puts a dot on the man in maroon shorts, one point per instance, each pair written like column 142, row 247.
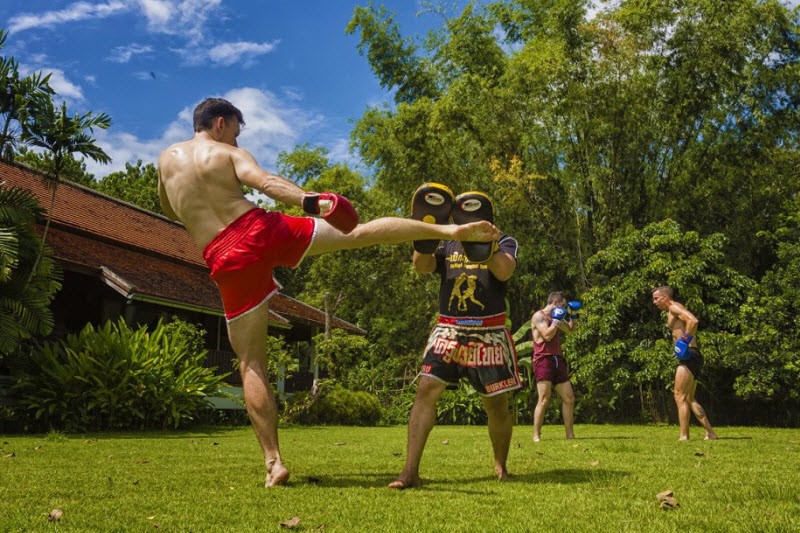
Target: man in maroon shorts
column 549, row 365
column 200, row 184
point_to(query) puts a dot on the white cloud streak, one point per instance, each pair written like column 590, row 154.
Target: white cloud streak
column 230, row 53
column 72, row 13
column 123, row 54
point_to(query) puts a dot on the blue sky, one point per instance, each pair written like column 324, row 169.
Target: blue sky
column 287, row 64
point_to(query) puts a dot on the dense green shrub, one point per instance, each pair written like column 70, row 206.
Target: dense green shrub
column 115, row 377
column 461, row 406
column 334, row 404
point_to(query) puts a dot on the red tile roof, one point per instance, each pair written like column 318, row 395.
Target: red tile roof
column 139, row 253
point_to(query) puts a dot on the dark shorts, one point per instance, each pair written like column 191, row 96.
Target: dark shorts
column 694, row 363
column 552, row 368
column 484, row 354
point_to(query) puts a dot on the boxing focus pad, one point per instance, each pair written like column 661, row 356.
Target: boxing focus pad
column 474, row 206
column 342, row 215
column 682, row 347
column 431, row 203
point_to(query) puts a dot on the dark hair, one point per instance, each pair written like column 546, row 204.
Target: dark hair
column 666, row 289
column 210, row 108
column 556, row 296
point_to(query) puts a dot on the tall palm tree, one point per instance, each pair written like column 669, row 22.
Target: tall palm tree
column 19, row 98
column 24, row 307
column 54, row 130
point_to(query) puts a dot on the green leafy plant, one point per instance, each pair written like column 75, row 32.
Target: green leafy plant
column 115, row 377
column 333, row 404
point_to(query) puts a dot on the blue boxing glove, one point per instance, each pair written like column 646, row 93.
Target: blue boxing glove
column 682, row 347
column 574, row 306
column 557, row 315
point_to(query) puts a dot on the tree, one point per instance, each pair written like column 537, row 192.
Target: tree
column 24, row 307
column 768, row 350
column 20, row 97
column 620, row 353
column 54, row 130
column 137, row 184
column 73, row 169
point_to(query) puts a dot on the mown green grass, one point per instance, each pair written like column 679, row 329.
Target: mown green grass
column 606, row 480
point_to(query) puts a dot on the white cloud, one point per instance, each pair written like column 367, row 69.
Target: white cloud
column 230, row 53
column 65, row 89
column 271, row 126
column 123, row 54
column 72, row 13
column 183, row 17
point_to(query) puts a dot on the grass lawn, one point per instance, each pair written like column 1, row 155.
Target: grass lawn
column 212, row 480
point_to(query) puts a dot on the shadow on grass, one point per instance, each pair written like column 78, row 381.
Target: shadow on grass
column 377, row 480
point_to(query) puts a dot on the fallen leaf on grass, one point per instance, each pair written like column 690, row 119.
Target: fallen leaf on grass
column 445, row 441
column 699, row 454
column 667, row 500
column 12, row 454
column 292, row 522
column 397, row 454
column 215, row 443
column 55, row 515
column 339, row 443
column 594, row 463
column 135, row 482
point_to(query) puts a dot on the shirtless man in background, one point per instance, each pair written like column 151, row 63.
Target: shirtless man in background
column 683, row 325
column 200, row 185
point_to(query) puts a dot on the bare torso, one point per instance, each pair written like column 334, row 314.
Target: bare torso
column 200, row 182
column 677, row 327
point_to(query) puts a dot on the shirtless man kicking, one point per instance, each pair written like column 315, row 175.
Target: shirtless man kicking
column 683, row 325
column 200, row 185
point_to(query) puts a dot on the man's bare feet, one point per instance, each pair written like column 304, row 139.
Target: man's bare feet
column 570, row 436
column 683, row 438
column 711, row 436
column 481, row 231
column 537, row 438
column 277, row 474
column 501, row 474
column 402, row 483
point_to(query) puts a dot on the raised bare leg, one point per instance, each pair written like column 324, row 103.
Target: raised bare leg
column 567, row 396
column 393, row 230
column 544, row 389
column 420, row 423
column 248, row 338
column 500, row 429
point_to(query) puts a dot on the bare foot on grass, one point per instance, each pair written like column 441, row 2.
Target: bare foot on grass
column 711, row 436
column 537, row 438
column 277, row 474
column 501, row 474
column 402, row 483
